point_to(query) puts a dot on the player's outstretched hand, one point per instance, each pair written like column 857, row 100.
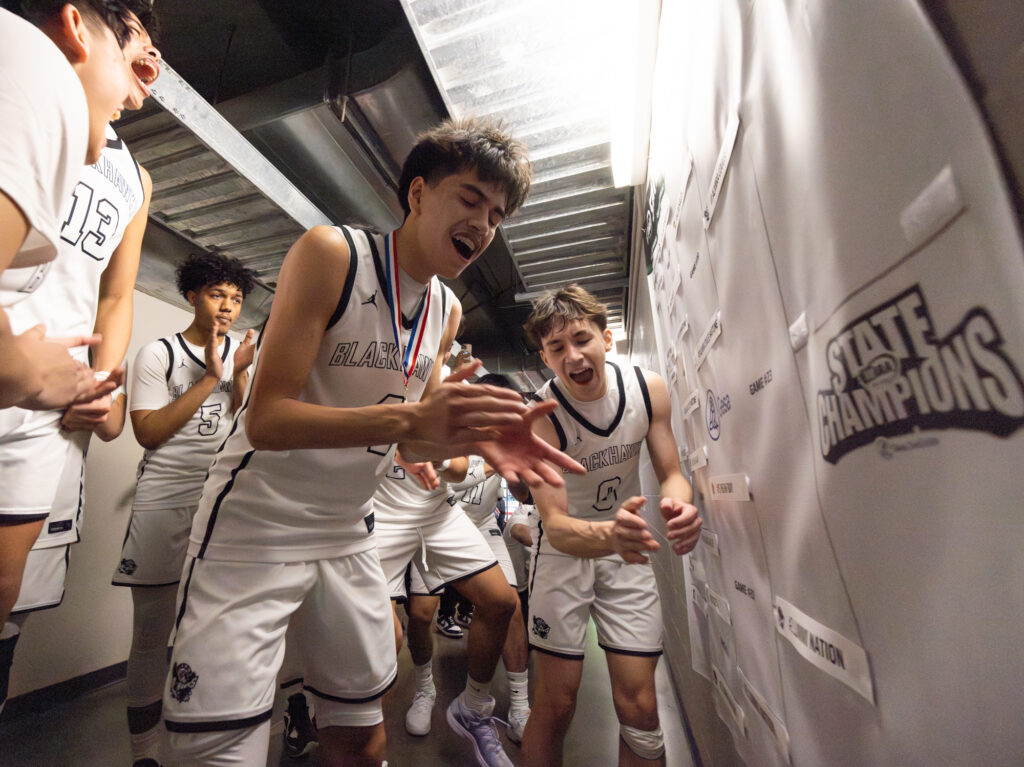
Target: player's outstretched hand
column 683, row 524
column 520, row 456
column 455, row 413
column 424, row 471
column 244, row 353
column 630, row 536
column 64, row 380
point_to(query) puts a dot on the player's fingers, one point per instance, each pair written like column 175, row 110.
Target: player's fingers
column 71, row 342
column 249, row 334
column 464, row 373
column 557, row 457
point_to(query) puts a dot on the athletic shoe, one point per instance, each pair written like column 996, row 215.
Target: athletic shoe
column 480, row 730
column 447, row 627
column 516, row 725
column 417, row 718
column 299, row 733
column 463, row 619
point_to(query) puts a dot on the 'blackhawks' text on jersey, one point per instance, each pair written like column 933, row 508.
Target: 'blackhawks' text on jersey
column 301, row 505
column 605, row 436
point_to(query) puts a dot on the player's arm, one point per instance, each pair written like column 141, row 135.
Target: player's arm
column 682, row 520
column 456, row 472
column 154, row 426
column 114, row 323
column 35, row 373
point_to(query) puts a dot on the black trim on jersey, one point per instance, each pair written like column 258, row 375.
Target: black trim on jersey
column 217, row 726
column 115, row 143
column 632, row 653
column 220, row 498
column 227, row 347
column 563, row 655
column 138, row 170
column 368, row 699
column 643, row 390
column 184, row 593
column 350, row 280
column 562, row 441
column 536, row 557
column 184, row 346
column 170, row 358
column 583, row 421
column 382, row 280
column 483, row 569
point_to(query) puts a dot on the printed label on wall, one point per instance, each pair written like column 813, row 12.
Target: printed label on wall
column 721, row 605
column 692, row 403
column 710, row 540
column 707, row 340
column 827, row 649
column 772, row 722
column 721, row 166
column 892, row 374
column 735, row 710
column 730, row 487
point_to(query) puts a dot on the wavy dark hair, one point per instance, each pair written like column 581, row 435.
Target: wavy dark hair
column 201, row 270
column 557, row 307
column 111, row 13
column 455, row 146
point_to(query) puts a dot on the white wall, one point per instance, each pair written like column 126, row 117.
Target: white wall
column 91, row 629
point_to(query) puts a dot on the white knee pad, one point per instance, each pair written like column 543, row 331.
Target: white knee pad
column 647, row 744
column 332, row 713
column 219, row 748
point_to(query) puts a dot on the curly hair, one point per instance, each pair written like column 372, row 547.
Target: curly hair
column 455, row 146
column 495, row 379
column 111, row 13
column 560, row 307
column 201, row 270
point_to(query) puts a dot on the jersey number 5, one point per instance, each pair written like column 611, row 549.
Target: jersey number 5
column 209, row 418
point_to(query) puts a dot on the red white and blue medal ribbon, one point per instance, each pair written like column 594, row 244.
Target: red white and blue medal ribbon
column 419, row 323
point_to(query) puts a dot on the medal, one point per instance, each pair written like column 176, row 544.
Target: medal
column 409, row 354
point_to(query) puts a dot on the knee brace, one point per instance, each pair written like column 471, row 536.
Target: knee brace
column 7, row 643
column 647, row 744
column 333, row 713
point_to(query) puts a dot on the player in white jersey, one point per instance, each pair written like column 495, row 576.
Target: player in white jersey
column 283, row 534
column 590, row 558
column 62, row 84
column 88, row 293
column 184, row 390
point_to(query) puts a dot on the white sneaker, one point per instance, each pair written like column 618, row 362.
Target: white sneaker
column 417, row 719
column 516, row 725
column 479, row 729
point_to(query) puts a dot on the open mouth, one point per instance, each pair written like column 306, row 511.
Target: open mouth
column 146, row 70
column 582, row 377
column 464, row 246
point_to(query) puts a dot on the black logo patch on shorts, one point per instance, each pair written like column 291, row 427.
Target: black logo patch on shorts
column 540, row 627
column 127, row 566
column 59, row 527
column 368, row 520
column 495, row 531
column 183, row 679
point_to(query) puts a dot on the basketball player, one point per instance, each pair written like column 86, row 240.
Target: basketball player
column 345, row 369
column 88, row 291
column 185, row 388
column 592, row 544
column 62, row 84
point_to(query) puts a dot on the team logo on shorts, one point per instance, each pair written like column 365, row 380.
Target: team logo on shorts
column 127, row 566
column 183, row 679
column 540, row 628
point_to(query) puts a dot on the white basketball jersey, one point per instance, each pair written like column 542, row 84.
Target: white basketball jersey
column 300, row 505
column 401, row 500
column 107, row 196
column 172, row 475
column 606, row 437
column 477, row 493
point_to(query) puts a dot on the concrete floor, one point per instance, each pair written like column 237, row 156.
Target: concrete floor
column 91, row 731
